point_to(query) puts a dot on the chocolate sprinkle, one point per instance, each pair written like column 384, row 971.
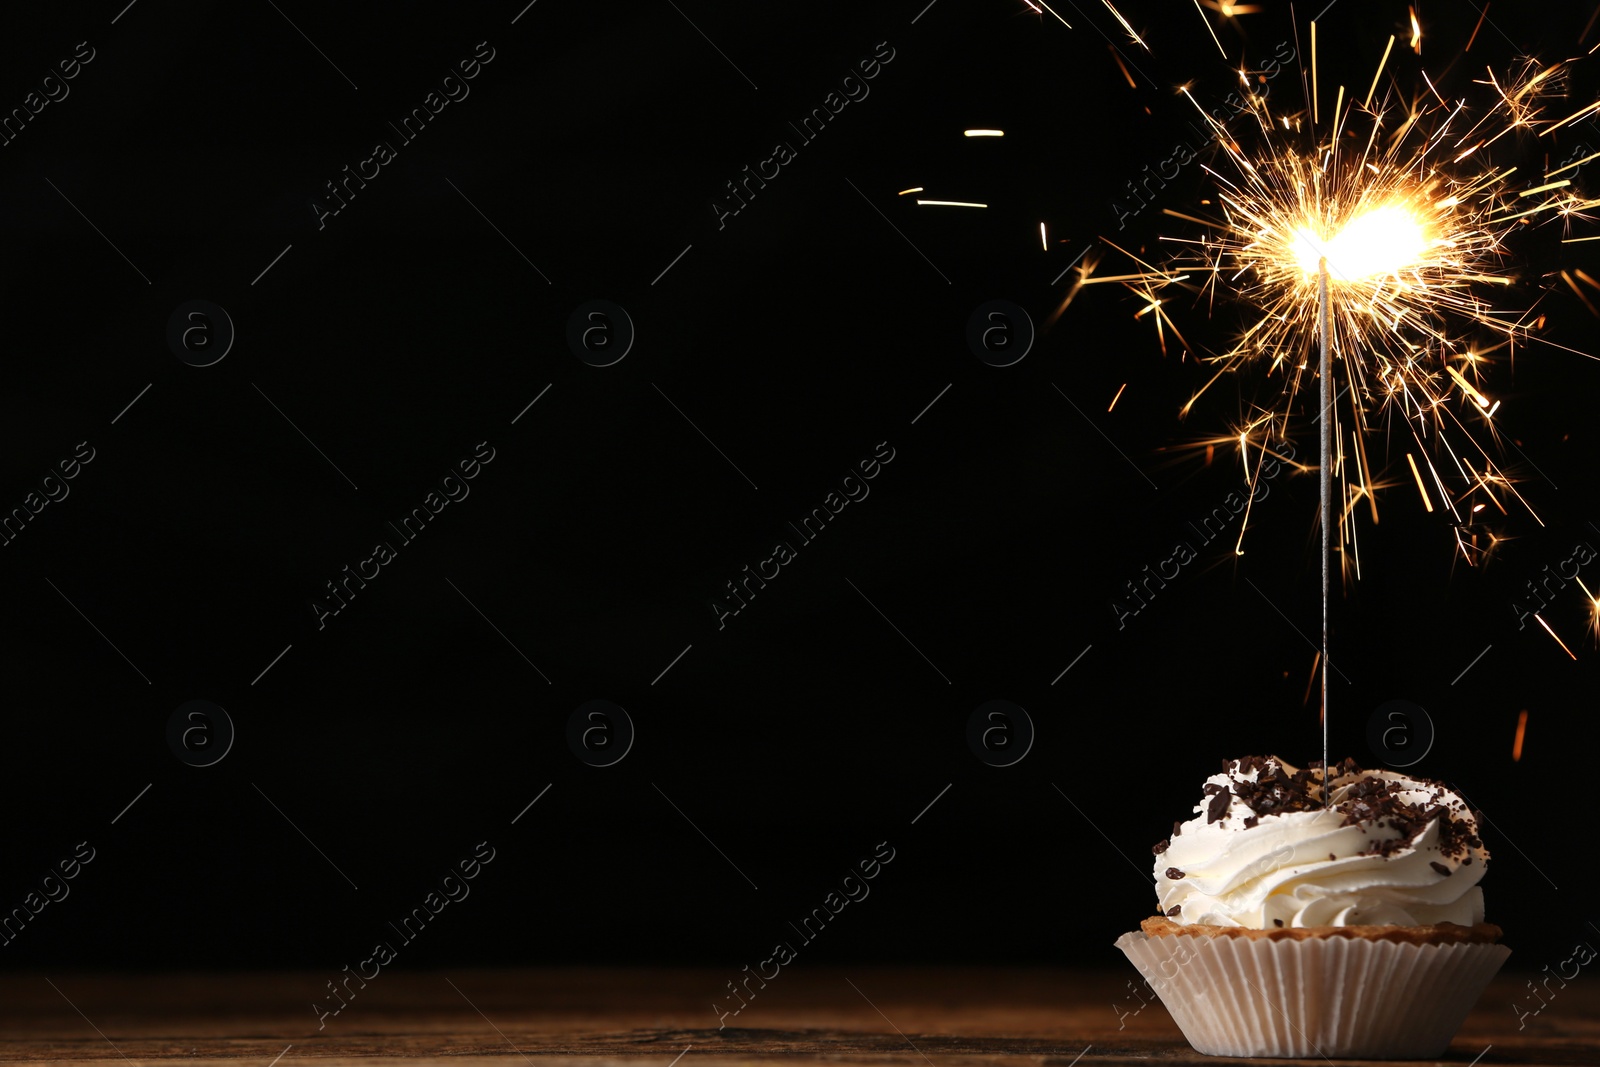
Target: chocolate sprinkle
column 1362, row 799
column 1160, row 846
column 1174, row 873
column 1441, row 868
column 1174, row 910
column 1277, row 922
column 1273, row 790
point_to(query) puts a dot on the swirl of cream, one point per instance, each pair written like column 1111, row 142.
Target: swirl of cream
column 1263, row 851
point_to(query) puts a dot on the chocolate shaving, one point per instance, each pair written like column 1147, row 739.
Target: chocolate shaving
column 1174, row 873
column 1175, row 909
column 1277, row 922
column 1274, row 790
column 1160, row 846
column 1393, row 824
column 1441, row 868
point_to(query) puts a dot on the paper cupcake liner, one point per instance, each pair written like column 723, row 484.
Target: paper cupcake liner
column 1332, row 996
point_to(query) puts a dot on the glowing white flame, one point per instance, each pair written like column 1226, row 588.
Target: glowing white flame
column 1381, row 241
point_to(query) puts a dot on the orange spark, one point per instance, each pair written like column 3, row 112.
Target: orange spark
column 1122, row 67
column 1481, row 16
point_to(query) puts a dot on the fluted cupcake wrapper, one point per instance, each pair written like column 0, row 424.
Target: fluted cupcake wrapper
column 1326, row 996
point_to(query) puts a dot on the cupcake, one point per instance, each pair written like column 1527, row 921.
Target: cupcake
column 1291, row 928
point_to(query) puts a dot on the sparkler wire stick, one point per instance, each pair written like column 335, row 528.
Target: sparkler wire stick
column 1325, row 491
column 1419, row 228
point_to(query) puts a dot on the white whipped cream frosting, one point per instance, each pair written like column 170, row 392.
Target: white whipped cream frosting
column 1306, row 868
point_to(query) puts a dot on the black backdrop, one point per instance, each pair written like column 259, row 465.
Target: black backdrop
column 773, row 353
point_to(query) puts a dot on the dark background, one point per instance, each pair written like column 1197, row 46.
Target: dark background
column 797, row 338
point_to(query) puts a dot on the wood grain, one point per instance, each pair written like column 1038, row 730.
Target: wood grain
column 553, row 1017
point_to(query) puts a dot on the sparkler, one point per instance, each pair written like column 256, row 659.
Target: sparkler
column 1382, row 242
column 1379, row 233
column 1412, row 228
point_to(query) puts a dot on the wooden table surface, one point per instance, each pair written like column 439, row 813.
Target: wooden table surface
column 649, row 1016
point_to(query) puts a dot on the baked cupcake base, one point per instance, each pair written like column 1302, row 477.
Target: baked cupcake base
column 1435, row 934
column 1352, row 991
